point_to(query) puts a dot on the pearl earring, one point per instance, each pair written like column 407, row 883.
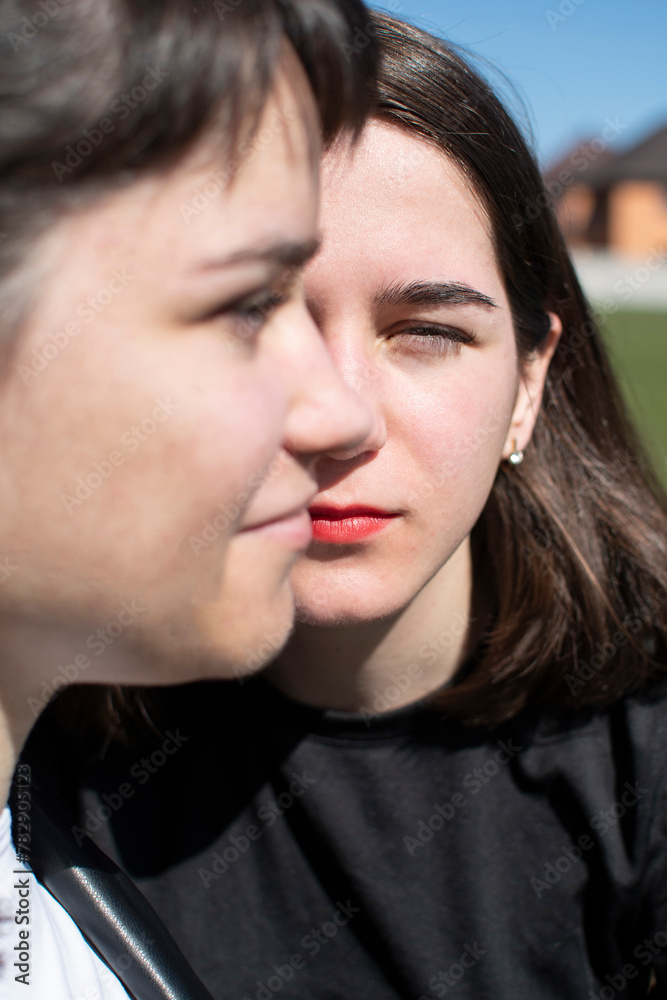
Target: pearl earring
column 516, row 458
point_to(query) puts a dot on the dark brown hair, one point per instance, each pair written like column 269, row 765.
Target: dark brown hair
column 94, row 92
column 571, row 543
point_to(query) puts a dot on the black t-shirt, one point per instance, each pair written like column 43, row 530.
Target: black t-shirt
column 321, row 855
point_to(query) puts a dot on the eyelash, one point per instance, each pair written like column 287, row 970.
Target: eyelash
column 436, row 340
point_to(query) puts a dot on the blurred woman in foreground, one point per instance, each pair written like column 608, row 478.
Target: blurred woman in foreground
column 165, row 392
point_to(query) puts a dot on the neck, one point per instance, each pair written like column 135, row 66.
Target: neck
column 385, row 664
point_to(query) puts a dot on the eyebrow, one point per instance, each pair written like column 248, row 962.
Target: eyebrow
column 282, row 254
column 432, row 293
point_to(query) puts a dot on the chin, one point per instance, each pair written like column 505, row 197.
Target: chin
column 349, row 592
column 330, row 610
column 244, row 636
column 253, row 615
column 211, row 644
column 231, row 633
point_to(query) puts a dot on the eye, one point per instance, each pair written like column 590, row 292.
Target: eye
column 244, row 317
column 250, row 315
column 433, row 340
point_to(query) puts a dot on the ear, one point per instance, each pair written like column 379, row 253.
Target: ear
column 529, row 394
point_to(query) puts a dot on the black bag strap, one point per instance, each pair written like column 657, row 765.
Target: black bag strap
column 112, row 914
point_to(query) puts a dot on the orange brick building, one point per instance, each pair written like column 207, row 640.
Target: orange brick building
column 613, row 201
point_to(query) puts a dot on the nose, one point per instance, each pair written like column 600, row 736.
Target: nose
column 325, row 415
column 337, row 415
column 361, row 377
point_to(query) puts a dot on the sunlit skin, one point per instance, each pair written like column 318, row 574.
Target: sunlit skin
column 408, row 294
column 201, row 373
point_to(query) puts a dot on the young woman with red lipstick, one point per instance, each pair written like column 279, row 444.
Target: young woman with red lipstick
column 452, row 780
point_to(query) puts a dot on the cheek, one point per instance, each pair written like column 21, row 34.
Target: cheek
column 127, row 447
column 454, row 434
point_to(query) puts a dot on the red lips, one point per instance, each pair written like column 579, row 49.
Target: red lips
column 345, row 525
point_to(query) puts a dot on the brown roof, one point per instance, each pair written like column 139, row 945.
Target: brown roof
column 646, row 161
column 568, row 162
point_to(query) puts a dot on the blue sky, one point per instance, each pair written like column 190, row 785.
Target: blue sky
column 605, row 59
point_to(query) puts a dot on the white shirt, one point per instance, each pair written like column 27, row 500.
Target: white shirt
column 44, row 956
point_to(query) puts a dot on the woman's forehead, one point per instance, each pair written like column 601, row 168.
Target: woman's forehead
column 398, row 204
column 389, row 162
column 402, row 153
